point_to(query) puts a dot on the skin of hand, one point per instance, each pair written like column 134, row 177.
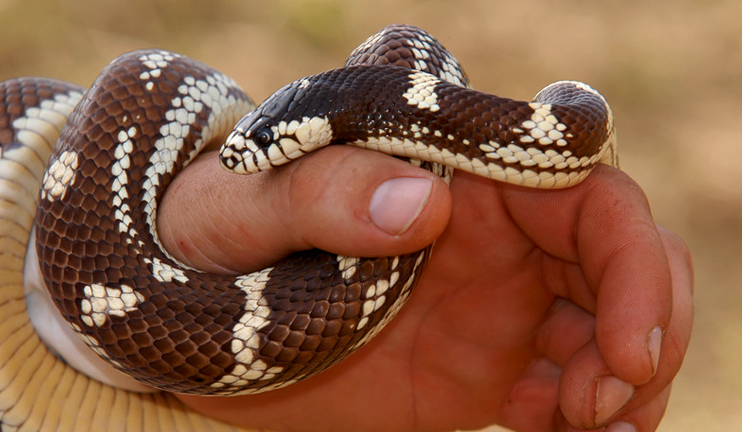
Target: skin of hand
column 540, row 310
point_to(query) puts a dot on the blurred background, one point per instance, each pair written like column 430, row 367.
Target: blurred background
column 672, row 70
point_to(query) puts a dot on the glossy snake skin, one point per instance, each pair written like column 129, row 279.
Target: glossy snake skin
column 150, row 113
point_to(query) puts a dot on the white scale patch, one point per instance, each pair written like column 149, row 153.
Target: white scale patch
column 420, row 150
column 120, row 181
column 543, row 127
column 195, row 94
column 164, row 272
column 102, row 302
column 348, row 266
column 295, row 139
column 155, row 62
column 298, row 138
column 304, row 83
column 553, row 152
column 371, row 41
column 46, row 120
column 395, row 308
column 245, row 339
column 37, row 129
column 422, row 93
column 59, row 175
column 376, row 293
column 421, row 51
column 526, row 177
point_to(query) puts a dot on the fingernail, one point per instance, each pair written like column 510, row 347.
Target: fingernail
column 611, row 396
column 396, row 203
column 654, row 343
column 621, row 427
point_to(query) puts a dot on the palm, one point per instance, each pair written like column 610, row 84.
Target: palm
column 469, row 332
column 476, row 314
column 463, row 341
column 529, row 299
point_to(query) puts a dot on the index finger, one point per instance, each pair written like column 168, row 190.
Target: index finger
column 604, row 252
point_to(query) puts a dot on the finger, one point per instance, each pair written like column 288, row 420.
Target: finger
column 590, row 393
column 590, row 396
column 676, row 335
column 532, row 402
column 644, row 418
column 531, row 405
column 604, row 225
column 341, row 199
column 566, row 329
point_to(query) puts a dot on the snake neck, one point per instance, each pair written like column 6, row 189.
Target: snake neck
column 554, row 142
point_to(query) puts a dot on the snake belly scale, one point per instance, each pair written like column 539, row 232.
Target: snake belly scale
column 151, row 112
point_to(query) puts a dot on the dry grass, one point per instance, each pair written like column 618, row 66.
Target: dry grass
column 670, row 69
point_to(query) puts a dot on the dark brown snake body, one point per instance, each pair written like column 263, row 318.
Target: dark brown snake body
column 151, row 112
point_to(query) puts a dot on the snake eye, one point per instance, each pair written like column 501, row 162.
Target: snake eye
column 263, row 137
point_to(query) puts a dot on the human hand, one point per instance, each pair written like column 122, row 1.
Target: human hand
column 531, row 296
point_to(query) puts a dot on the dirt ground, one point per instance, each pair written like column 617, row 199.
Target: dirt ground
column 670, row 68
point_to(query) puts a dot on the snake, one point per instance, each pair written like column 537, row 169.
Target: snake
column 151, row 112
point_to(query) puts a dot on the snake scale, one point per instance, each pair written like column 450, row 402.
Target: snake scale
column 151, row 112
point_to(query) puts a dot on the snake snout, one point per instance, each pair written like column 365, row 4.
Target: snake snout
column 245, row 150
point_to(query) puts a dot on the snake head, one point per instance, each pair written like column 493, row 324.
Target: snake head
column 273, row 134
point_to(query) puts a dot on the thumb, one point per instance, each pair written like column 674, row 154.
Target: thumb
column 342, row 199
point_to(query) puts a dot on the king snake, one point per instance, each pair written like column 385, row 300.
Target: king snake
column 151, row 112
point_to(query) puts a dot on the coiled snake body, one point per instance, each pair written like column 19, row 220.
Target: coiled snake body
column 151, row 112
